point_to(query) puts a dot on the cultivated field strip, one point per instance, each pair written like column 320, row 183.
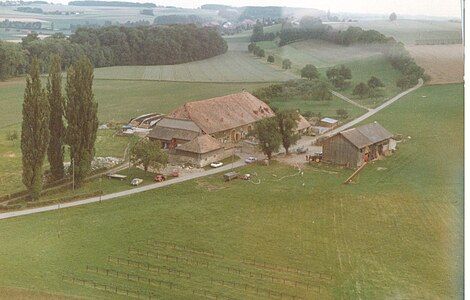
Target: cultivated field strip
column 154, row 267
column 233, row 66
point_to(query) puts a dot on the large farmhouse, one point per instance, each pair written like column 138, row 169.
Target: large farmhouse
column 356, row 146
column 200, row 132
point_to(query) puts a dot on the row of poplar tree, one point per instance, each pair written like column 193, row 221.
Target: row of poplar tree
column 51, row 121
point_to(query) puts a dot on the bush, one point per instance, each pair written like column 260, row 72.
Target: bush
column 286, row 64
column 270, row 59
column 342, row 113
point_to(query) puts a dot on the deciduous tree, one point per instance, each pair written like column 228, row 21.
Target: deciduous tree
column 310, row 72
column 287, row 125
column 268, row 136
column 34, row 132
column 362, row 90
column 149, row 154
column 286, row 64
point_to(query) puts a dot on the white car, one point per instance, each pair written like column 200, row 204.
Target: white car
column 250, row 159
column 217, row 164
column 136, row 181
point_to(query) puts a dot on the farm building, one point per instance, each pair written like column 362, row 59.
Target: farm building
column 173, row 132
column 200, row 151
column 145, row 121
column 328, row 122
column 220, row 122
column 227, row 118
column 356, row 146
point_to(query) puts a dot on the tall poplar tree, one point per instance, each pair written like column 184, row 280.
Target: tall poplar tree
column 34, row 131
column 55, row 152
column 82, row 120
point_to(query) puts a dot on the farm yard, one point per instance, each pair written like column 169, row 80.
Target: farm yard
column 444, row 63
column 364, row 240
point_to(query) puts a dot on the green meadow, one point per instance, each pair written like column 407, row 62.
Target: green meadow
column 396, row 232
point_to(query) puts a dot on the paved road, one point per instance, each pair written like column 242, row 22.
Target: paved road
column 141, row 189
column 196, row 175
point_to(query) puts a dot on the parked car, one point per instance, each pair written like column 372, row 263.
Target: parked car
column 301, row 150
column 159, row 178
column 250, row 159
column 217, row 164
column 136, row 181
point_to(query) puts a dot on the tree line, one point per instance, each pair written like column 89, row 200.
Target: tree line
column 114, row 45
column 43, row 131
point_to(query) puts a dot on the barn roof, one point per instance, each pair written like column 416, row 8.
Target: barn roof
column 201, row 144
column 302, row 123
column 170, row 128
column 366, row 135
column 224, row 113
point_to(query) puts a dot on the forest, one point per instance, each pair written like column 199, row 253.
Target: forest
column 113, row 46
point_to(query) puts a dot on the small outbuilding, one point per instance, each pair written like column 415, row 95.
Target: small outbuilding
column 356, row 146
column 329, row 122
column 201, row 151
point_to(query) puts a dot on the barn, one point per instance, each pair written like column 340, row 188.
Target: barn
column 354, row 147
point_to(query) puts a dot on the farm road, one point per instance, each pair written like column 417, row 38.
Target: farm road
column 227, row 167
column 141, row 189
column 342, row 97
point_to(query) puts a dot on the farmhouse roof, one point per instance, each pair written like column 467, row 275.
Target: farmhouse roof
column 366, row 135
column 201, row 144
column 171, row 128
column 224, row 113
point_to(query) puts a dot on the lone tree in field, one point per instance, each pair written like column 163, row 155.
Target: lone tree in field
column 34, row 132
column 362, row 90
column 393, row 17
column 310, row 72
column 149, row 154
column 270, row 59
column 268, row 136
column 55, row 152
column 287, row 126
column 286, row 64
column 375, row 83
column 81, row 114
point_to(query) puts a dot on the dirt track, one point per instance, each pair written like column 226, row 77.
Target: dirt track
column 444, row 63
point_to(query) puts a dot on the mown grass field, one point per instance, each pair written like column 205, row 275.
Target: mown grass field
column 107, row 144
column 120, row 100
column 233, row 66
column 319, row 53
column 408, row 31
column 396, row 233
column 326, row 108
